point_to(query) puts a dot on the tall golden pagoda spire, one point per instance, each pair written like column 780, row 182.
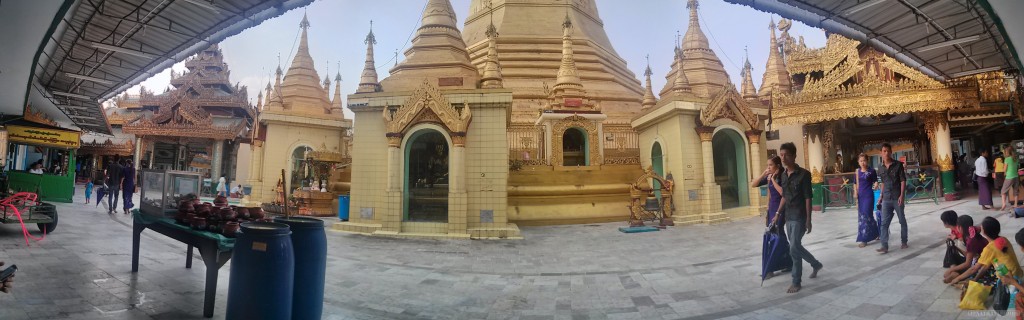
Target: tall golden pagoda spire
column 649, row 100
column 747, row 89
column 492, row 78
column 437, row 53
column 776, row 77
column 270, row 96
column 302, row 87
column 568, row 81
column 703, row 69
column 368, row 80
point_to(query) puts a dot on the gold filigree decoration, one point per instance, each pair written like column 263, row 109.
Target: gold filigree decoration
column 37, row 116
column 107, row 148
column 817, row 176
column 754, row 136
column 574, row 121
column 945, row 163
column 705, row 133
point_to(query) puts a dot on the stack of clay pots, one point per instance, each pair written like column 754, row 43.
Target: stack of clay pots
column 217, row 217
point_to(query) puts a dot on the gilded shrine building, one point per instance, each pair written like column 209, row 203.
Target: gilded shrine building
column 704, row 133
column 196, row 124
column 300, row 126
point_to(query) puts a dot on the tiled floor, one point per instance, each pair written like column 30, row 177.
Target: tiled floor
column 82, row 271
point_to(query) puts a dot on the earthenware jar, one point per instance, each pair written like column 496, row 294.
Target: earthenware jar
column 220, row 200
column 199, row 223
column 226, row 213
column 230, row 229
column 188, row 218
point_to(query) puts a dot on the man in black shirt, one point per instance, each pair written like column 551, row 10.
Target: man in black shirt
column 894, row 187
column 796, row 206
column 115, row 176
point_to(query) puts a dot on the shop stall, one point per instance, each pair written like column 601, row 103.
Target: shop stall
column 41, row 159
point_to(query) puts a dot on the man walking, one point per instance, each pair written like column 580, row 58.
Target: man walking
column 796, row 205
column 115, row 176
column 894, row 187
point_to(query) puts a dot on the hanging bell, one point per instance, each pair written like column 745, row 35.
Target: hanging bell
column 652, row 204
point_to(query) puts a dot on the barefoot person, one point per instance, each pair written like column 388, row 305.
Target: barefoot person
column 780, row 261
column 796, row 206
column 894, row 187
column 867, row 227
column 981, row 175
column 998, row 248
column 974, row 243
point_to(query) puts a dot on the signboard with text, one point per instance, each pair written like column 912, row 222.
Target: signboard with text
column 44, row 137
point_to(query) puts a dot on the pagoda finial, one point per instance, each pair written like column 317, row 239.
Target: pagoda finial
column 492, row 78
column 694, row 38
column 747, row 87
column 649, row 100
column 305, row 22
column 567, row 73
column 337, row 78
column 680, row 84
column 368, row 80
column 776, row 77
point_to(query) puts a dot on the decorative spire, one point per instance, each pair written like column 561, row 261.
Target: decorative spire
column 747, row 87
column 492, row 78
column 368, row 80
column 303, row 91
column 680, row 85
column 337, row 78
column 649, row 100
column 269, row 94
column 337, row 106
column 567, row 75
column 259, row 101
column 776, row 77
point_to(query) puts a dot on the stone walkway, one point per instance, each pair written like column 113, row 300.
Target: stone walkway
column 82, row 271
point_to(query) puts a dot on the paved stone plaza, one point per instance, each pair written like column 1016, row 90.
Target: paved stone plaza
column 82, row 271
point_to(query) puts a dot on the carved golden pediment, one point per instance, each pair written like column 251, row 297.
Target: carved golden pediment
column 427, row 104
column 728, row 104
column 107, row 147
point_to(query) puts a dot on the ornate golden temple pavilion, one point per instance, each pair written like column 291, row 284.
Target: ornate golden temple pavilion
column 194, row 126
column 848, row 98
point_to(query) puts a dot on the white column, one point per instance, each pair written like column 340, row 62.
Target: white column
column 217, row 160
column 815, row 153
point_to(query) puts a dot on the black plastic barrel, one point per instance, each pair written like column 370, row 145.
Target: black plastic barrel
column 310, row 243
column 262, row 272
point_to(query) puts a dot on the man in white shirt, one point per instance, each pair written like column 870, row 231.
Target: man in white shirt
column 983, row 176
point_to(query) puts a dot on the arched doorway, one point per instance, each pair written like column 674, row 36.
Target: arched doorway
column 574, row 147
column 301, row 172
column 657, row 164
column 730, row 160
column 426, row 177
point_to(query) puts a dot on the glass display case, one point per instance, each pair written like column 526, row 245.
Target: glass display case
column 162, row 190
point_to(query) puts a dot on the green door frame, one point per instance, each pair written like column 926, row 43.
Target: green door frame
column 658, row 165
column 405, row 167
column 586, row 145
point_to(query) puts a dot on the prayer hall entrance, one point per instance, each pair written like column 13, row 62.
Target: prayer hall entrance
column 426, row 177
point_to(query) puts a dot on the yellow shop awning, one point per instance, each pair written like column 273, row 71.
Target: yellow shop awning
column 43, row 136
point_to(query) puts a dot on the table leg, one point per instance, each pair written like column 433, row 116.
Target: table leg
column 188, row 258
column 209, row 254
column 137, row 229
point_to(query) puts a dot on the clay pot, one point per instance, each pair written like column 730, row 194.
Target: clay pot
column 243, row 211
column 199, row 223
column 230, row 229
column 226, row 213
column 188, row 219
column 256, row 213
column 196, row 202
column 220, row 200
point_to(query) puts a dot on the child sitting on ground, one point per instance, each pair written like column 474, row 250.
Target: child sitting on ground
column 998, row 248
column 974, row 244
column 1011, row 281
column 949, row 219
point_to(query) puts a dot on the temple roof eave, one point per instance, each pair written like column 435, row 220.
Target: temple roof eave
column 865, row 105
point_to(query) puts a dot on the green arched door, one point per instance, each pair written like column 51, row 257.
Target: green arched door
column 426, row 177
column 730, row 161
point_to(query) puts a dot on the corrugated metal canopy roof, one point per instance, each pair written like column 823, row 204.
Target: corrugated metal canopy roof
column 110, row 46
column 943, row 38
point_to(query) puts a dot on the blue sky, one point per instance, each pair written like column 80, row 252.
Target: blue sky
column 636, row 29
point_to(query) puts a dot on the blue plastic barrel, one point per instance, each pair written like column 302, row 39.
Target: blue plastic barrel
column 262, row 272
column 310, row 266
column 343, row 203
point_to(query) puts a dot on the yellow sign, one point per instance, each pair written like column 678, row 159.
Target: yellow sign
column 44, row 137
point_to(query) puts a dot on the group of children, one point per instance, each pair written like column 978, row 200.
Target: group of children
column 985, row 251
